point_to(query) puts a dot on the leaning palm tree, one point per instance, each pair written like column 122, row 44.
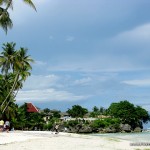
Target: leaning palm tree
column 23, row 76
column 6, row 83
column 5, row 21
column 7, row 62
column 20, row 67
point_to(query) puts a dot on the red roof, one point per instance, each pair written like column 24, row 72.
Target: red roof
column 31, row 108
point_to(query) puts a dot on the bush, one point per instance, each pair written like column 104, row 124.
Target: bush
column 113, row 122
column 71, row 123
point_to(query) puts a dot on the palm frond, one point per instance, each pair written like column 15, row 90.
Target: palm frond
column 5, row 21
column 29, row 2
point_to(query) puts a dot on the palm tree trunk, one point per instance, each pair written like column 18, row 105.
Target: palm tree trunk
column 5, row 107
column 12, row 89
column 9, row 101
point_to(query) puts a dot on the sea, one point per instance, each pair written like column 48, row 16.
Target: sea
column 133, row 137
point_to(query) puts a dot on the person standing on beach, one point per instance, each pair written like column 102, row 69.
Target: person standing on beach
column 56, row 128
column 1, row 125
column 7, row 125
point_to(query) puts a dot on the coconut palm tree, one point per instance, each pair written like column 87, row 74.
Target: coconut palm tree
column 24, row 74
column 19, row 64
column 7, row 62
column 5, row 84
column 7, row 59
column 5, row 21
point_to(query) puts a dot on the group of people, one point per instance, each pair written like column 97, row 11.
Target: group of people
column 4, row 126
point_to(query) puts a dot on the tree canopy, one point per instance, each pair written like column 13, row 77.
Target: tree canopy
column 97, row 111
column 15, row 67
column 77, row 111
column 128, row 113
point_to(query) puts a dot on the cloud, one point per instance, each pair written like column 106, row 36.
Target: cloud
column 140, row 33
column 41, row 82
column 39, row 63
column 83, row 81
column 134, row 41
column 143, row 82
column 97, row 63
column 48, row 95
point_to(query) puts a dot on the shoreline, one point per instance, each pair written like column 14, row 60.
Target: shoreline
column 45, row 140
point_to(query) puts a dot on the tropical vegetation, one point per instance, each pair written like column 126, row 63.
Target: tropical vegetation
column 129, row 114
column 77, row 111
column 15, row 67
column 5, row 20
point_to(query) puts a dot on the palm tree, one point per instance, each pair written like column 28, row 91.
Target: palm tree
column 5, row 84
column 7, row 62
column 19, row 64
column 5, row 21
column 24, row 74
column 7, row 59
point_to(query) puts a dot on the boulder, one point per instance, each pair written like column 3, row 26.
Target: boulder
column 109, row 130
column 125, row 128
column 85, row 129
column 137, row 129
column 72, row 130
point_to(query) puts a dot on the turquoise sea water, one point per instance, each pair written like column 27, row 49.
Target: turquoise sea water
column 133, row 137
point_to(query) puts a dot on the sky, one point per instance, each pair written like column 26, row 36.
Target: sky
column 86, row 52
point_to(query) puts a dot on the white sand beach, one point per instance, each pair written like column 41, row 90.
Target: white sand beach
column 43, row 140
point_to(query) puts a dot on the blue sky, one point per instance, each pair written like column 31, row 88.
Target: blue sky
column 86, row 52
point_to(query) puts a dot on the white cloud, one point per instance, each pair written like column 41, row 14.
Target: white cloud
column 41, row 81
column 39, row 63
column 83, row 81
column 48, row 95
column 138, row 34
column 143, row 82
column 103, row 63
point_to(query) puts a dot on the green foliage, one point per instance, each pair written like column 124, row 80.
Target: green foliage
column 28, row 120
column 77, row 111
column 15, row 67
column 107, row 122
column 98, row 124
column 46, row 110
column 19, row 121
column 56, row 114
column 51, row 123
column 98, row 111
column 48, row 126
column 142, row 114
column 71, row 123
column 128, row 113
column 5, row 20
column 95, row 109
